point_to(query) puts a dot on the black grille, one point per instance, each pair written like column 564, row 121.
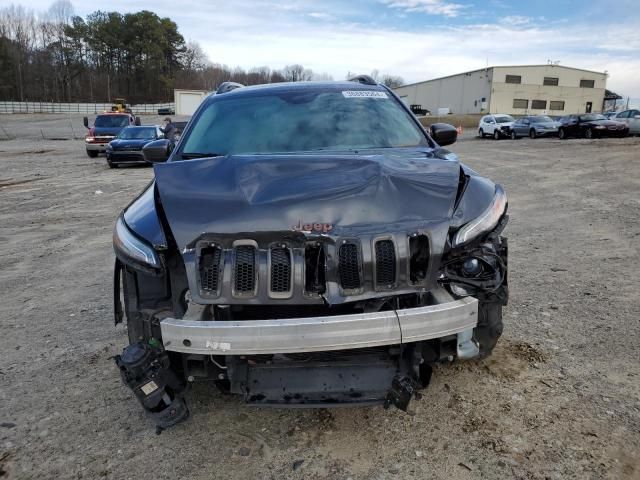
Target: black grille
column 385, row 263
column 348, row 266
column 245, row 275
column 314, row 268
column 210, row 268
column 280, row 270
column 418, row 258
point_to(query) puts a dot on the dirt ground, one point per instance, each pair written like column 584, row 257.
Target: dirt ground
column 560, row 397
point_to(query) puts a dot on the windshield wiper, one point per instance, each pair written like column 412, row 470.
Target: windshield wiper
column 190, row 155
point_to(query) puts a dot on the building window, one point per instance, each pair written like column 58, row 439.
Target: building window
column 553, row 81
column 587, row 83
column 514, row 79
column 538, row 104
column 520, row 103
column 556, row 105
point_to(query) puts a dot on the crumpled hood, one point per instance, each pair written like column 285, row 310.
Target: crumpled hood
column 269, row 193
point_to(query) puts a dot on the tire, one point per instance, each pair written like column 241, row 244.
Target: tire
column 562, row 134
column 496, row 134
column 588, row 133
column 489, row 327
column 111, row 164
column 532, row 133
column 513, row 135
column 481, row 133
column 92, row 153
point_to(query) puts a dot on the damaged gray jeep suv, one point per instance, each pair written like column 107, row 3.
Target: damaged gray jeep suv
column 306, row 244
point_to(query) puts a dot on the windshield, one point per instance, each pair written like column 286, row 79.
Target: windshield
column 144, row 133
column 504, row 119
column 303, row 120
column 110, row 121
column 591, row 117
column 541, row 119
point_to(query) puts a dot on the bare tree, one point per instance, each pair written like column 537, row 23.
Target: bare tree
column 297, row 73
column 194, row 59
column 392, row 81
column 322, row 77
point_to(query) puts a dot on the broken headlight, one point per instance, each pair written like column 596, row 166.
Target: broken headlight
column 130, row 248
column 486, row 222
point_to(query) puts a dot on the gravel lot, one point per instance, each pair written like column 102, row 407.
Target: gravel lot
column 560, row 398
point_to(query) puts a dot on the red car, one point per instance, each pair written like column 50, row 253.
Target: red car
column 591, row 125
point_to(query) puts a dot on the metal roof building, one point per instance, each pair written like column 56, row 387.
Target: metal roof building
column 517, row 89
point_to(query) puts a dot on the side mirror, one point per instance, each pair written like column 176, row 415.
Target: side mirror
column 157, row 151
column 137, row 121
column 443, row 133
column 85, row 122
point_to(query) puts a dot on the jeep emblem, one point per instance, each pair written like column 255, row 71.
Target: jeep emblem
column 312, row 227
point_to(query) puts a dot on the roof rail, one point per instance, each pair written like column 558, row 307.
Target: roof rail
column 227, row 87
column 364, row 79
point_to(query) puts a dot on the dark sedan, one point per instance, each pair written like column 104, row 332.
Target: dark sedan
column 534, row 126
column 127, row 146
column 591, row 125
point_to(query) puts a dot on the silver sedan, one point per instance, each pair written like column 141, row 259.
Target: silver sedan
column 534, row 126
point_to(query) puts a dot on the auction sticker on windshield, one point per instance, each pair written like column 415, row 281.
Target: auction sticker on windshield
column 363, row 94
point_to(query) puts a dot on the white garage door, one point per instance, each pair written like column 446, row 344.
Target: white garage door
column 188, row 102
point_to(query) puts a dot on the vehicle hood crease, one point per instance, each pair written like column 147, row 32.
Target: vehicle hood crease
column 262, row 193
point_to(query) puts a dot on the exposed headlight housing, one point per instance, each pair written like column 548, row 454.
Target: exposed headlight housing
column 485, row 222
column 130, row 249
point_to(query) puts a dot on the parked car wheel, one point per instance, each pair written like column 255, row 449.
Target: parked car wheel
column 111, row 164
column 496, row 134
column 92, row 153
column 532, row 133
column 588, row 133
column 562, row 134
column 513, row 135
column 481, row 133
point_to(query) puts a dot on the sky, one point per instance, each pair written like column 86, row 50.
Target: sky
column 416, row 39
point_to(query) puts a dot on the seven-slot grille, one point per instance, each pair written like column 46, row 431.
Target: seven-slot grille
column 354, row 272
column 280, row 270
column 349, row 266
column 245, row 269
column 385, row 263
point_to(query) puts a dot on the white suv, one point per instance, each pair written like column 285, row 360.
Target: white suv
column 497, row 126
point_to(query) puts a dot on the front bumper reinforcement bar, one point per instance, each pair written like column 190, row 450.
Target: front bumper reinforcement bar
column 316, row 334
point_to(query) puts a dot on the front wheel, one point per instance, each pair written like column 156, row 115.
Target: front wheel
column 562, row 134
column 513, row 135
column 532, row 133
column 496, row 134
column 489, row 328
column 588, row 133
column 92, row 153
column 481, row 133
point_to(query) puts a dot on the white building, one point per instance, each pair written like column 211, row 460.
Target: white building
column 518, row 89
